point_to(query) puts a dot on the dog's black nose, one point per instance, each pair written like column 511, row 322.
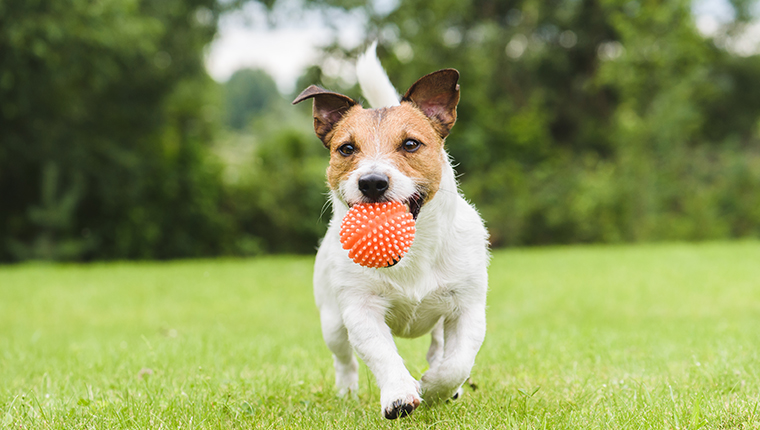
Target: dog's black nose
column 373, row 185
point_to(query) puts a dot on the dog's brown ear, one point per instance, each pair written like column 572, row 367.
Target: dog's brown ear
column 437, row 95
column 328, row 109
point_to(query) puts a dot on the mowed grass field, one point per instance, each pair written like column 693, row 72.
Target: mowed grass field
column 623, row 337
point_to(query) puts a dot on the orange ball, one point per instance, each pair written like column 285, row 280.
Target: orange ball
column 377, row 234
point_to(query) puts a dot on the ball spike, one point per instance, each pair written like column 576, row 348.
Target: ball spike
column 377, row 234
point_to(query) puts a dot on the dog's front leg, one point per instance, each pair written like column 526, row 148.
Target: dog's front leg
column 463, row 334
column 336, row 338
column 371, row 337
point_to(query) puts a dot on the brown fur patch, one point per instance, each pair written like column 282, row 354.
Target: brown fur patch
column 380, row 133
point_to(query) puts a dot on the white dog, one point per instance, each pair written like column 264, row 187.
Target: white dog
column 395, row 152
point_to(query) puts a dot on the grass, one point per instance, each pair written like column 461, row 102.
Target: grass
column 647, row 336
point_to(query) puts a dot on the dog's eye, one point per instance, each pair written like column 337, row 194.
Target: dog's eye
column 346, row 149
column 411, row 145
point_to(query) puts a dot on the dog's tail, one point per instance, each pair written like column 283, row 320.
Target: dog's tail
column 375, row 85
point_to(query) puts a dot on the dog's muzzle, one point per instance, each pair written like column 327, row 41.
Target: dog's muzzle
column 373, row 185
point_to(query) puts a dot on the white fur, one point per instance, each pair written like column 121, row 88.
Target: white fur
column 376, row 86
column 439, row 286
column 400, row 188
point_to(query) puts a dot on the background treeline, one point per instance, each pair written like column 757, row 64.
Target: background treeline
column 580, row 121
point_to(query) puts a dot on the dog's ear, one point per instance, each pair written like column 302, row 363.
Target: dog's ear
column 437, row 95
column 328, row 109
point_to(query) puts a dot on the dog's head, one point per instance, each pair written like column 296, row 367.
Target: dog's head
column 387, row 154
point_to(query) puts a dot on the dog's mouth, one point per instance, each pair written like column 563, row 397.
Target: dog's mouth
column 413, row 203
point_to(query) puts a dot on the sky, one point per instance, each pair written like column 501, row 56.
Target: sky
column 286, row 49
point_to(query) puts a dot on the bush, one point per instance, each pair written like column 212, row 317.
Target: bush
column 277, row 194
column 105, row 116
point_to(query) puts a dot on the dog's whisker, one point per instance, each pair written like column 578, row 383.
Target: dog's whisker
column 328, row 204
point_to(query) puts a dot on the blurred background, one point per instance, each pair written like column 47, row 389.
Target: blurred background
column 157, row 129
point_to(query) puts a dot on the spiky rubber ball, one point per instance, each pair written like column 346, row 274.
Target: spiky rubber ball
column 377, row 234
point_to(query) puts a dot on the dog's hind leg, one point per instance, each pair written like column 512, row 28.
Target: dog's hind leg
column 463, row 335
column 435, row 352
column 336, row 338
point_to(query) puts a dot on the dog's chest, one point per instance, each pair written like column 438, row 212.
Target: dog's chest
column 409, row 316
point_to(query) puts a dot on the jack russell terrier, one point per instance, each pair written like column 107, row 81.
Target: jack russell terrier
column 395, row 153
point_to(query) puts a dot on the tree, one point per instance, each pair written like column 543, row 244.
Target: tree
column 587, row 120
column 115, row 96
column 248, row 93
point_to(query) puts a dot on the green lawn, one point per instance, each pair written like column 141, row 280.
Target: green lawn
column 648, row 336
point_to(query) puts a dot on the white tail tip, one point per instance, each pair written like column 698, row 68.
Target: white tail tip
column 374, row 82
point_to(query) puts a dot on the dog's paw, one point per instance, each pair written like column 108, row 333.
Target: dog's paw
column 348, row 392
column 347, row 386
column 457, row 394
column 400, row 402
column 438, row 386
column 399, row 408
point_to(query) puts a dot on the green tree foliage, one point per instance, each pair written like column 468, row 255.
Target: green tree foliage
column 580, row 121
column 105, row 112
column 248, row 93
column 276, row 181
column 587, row 120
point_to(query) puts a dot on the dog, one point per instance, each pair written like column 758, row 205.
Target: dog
column 395, row 152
